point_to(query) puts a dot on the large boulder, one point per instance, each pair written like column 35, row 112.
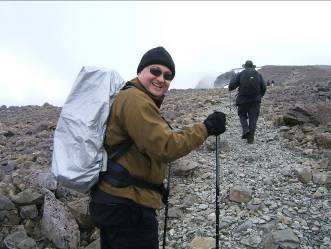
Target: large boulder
column 58, row 224
column 299, row 115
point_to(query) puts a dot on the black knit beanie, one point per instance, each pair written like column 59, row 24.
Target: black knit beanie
column 157, row 55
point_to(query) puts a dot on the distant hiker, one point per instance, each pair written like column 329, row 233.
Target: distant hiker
column 123, row 203
column 251, row 90
column 268, row 82
column 272, row 83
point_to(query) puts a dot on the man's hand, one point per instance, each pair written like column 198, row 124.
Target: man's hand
column 215, row 123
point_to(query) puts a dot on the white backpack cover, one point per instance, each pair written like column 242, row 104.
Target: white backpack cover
column 78, row 152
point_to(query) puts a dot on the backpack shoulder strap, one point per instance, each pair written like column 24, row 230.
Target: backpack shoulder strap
column 119, row 150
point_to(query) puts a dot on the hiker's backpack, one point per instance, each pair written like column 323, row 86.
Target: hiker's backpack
column 78, row 152
column 249, row 83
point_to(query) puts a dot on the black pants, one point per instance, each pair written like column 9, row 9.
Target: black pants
column 125, row 226
column 250, row 112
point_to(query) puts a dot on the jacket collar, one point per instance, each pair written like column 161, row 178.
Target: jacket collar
column 157, row 100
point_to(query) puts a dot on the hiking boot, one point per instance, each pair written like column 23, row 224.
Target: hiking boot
column 245, row 136
column 250, row 140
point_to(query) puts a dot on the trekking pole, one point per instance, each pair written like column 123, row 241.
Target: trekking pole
column 230, row 100
column 166, row 210
column 217, row 187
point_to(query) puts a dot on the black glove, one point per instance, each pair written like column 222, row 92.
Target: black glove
column 215, row 123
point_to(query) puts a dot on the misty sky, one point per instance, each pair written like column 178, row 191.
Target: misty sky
column 43, row 45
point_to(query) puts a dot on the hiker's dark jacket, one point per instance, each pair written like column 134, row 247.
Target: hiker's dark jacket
column 135, row 114
column 235, row 82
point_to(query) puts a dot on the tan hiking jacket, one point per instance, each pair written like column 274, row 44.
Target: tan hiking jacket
column 136, row 115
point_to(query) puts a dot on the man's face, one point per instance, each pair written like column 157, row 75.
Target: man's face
column 153, row 79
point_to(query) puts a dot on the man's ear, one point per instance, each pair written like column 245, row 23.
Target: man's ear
column 138, row 76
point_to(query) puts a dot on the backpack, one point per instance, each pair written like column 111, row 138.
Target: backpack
column 249, row 83
column 78, row 152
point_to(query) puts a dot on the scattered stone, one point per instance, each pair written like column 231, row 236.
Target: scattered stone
column 281, row 238
column 27, row 197
column 319, row 178
column 202, row 243
column 183, row 166
column 29, row 212
column 305, row 174
column 240, row 194
column 251, row 240
column 19, row 240
column 8, row 212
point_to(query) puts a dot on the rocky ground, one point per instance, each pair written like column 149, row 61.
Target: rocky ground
column 274, row 193
column 266, row 200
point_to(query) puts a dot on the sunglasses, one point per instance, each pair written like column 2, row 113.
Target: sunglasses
column 156, row 71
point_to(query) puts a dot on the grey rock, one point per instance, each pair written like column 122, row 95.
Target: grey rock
column 227, row 221
column 29, row 212
column 58, row 224
column 27, row 197
column 175, row 212
column 28, row 243
column 244, row 226
column 183, row 166
column 305, row 174
column 319, row 178
column 8, row 212
column 19, row 240
column 9, row 167
column 251, row 240
column 281, row 238
column 48, row 181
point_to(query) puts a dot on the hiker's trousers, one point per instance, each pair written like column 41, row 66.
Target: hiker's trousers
column 125, row 226
column 248, row 115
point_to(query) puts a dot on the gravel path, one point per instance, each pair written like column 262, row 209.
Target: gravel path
column 266, row 171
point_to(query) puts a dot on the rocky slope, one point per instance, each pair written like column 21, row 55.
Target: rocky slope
column 274, row 193
column 283, row 75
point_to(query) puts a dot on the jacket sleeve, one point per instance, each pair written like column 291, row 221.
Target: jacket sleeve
column 152, row 135
column 234, row 82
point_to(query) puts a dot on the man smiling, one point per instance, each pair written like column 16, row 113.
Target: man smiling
column 124, row 201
